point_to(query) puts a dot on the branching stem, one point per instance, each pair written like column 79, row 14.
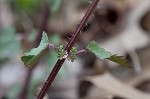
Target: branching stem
column 59, row 63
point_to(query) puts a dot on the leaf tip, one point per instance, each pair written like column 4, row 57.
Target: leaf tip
column 120, row 60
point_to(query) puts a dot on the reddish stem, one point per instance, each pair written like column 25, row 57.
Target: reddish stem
column 81, row 51
column 59, row 63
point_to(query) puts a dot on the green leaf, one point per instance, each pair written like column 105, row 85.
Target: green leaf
column 30, row 57
column 73, row 49
column 72, row 52
column 119, row 60
column 61, row 53
column 98, row 51
column 73, row 57
column 102, row 54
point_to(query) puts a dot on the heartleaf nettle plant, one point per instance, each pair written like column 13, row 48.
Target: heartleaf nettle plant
column 31, row 57
column 69, row 52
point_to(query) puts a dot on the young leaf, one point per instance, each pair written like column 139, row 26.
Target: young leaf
column 30, row 57
column 102, row 54
column 73, row 56
column 98, row 51
column 61, row 53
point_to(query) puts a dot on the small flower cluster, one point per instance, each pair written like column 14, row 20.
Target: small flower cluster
column 62, row 54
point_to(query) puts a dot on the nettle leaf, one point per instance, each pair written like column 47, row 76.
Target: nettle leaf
column 101, row 53
column 98, row 51
column 73, row 56
column 119, row 60
column 30, row 57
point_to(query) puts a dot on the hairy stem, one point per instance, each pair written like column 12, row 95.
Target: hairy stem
column 59, row 63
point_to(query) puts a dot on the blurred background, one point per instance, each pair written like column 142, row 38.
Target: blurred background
column 120, row 26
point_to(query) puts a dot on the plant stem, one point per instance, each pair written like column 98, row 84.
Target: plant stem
column 81, row 51
column 24, row 90
column 81, row 25
column 59, row 63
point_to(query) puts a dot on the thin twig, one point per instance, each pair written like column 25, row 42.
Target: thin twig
column 51, row 46
column 59, row 63
column 81, row 51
